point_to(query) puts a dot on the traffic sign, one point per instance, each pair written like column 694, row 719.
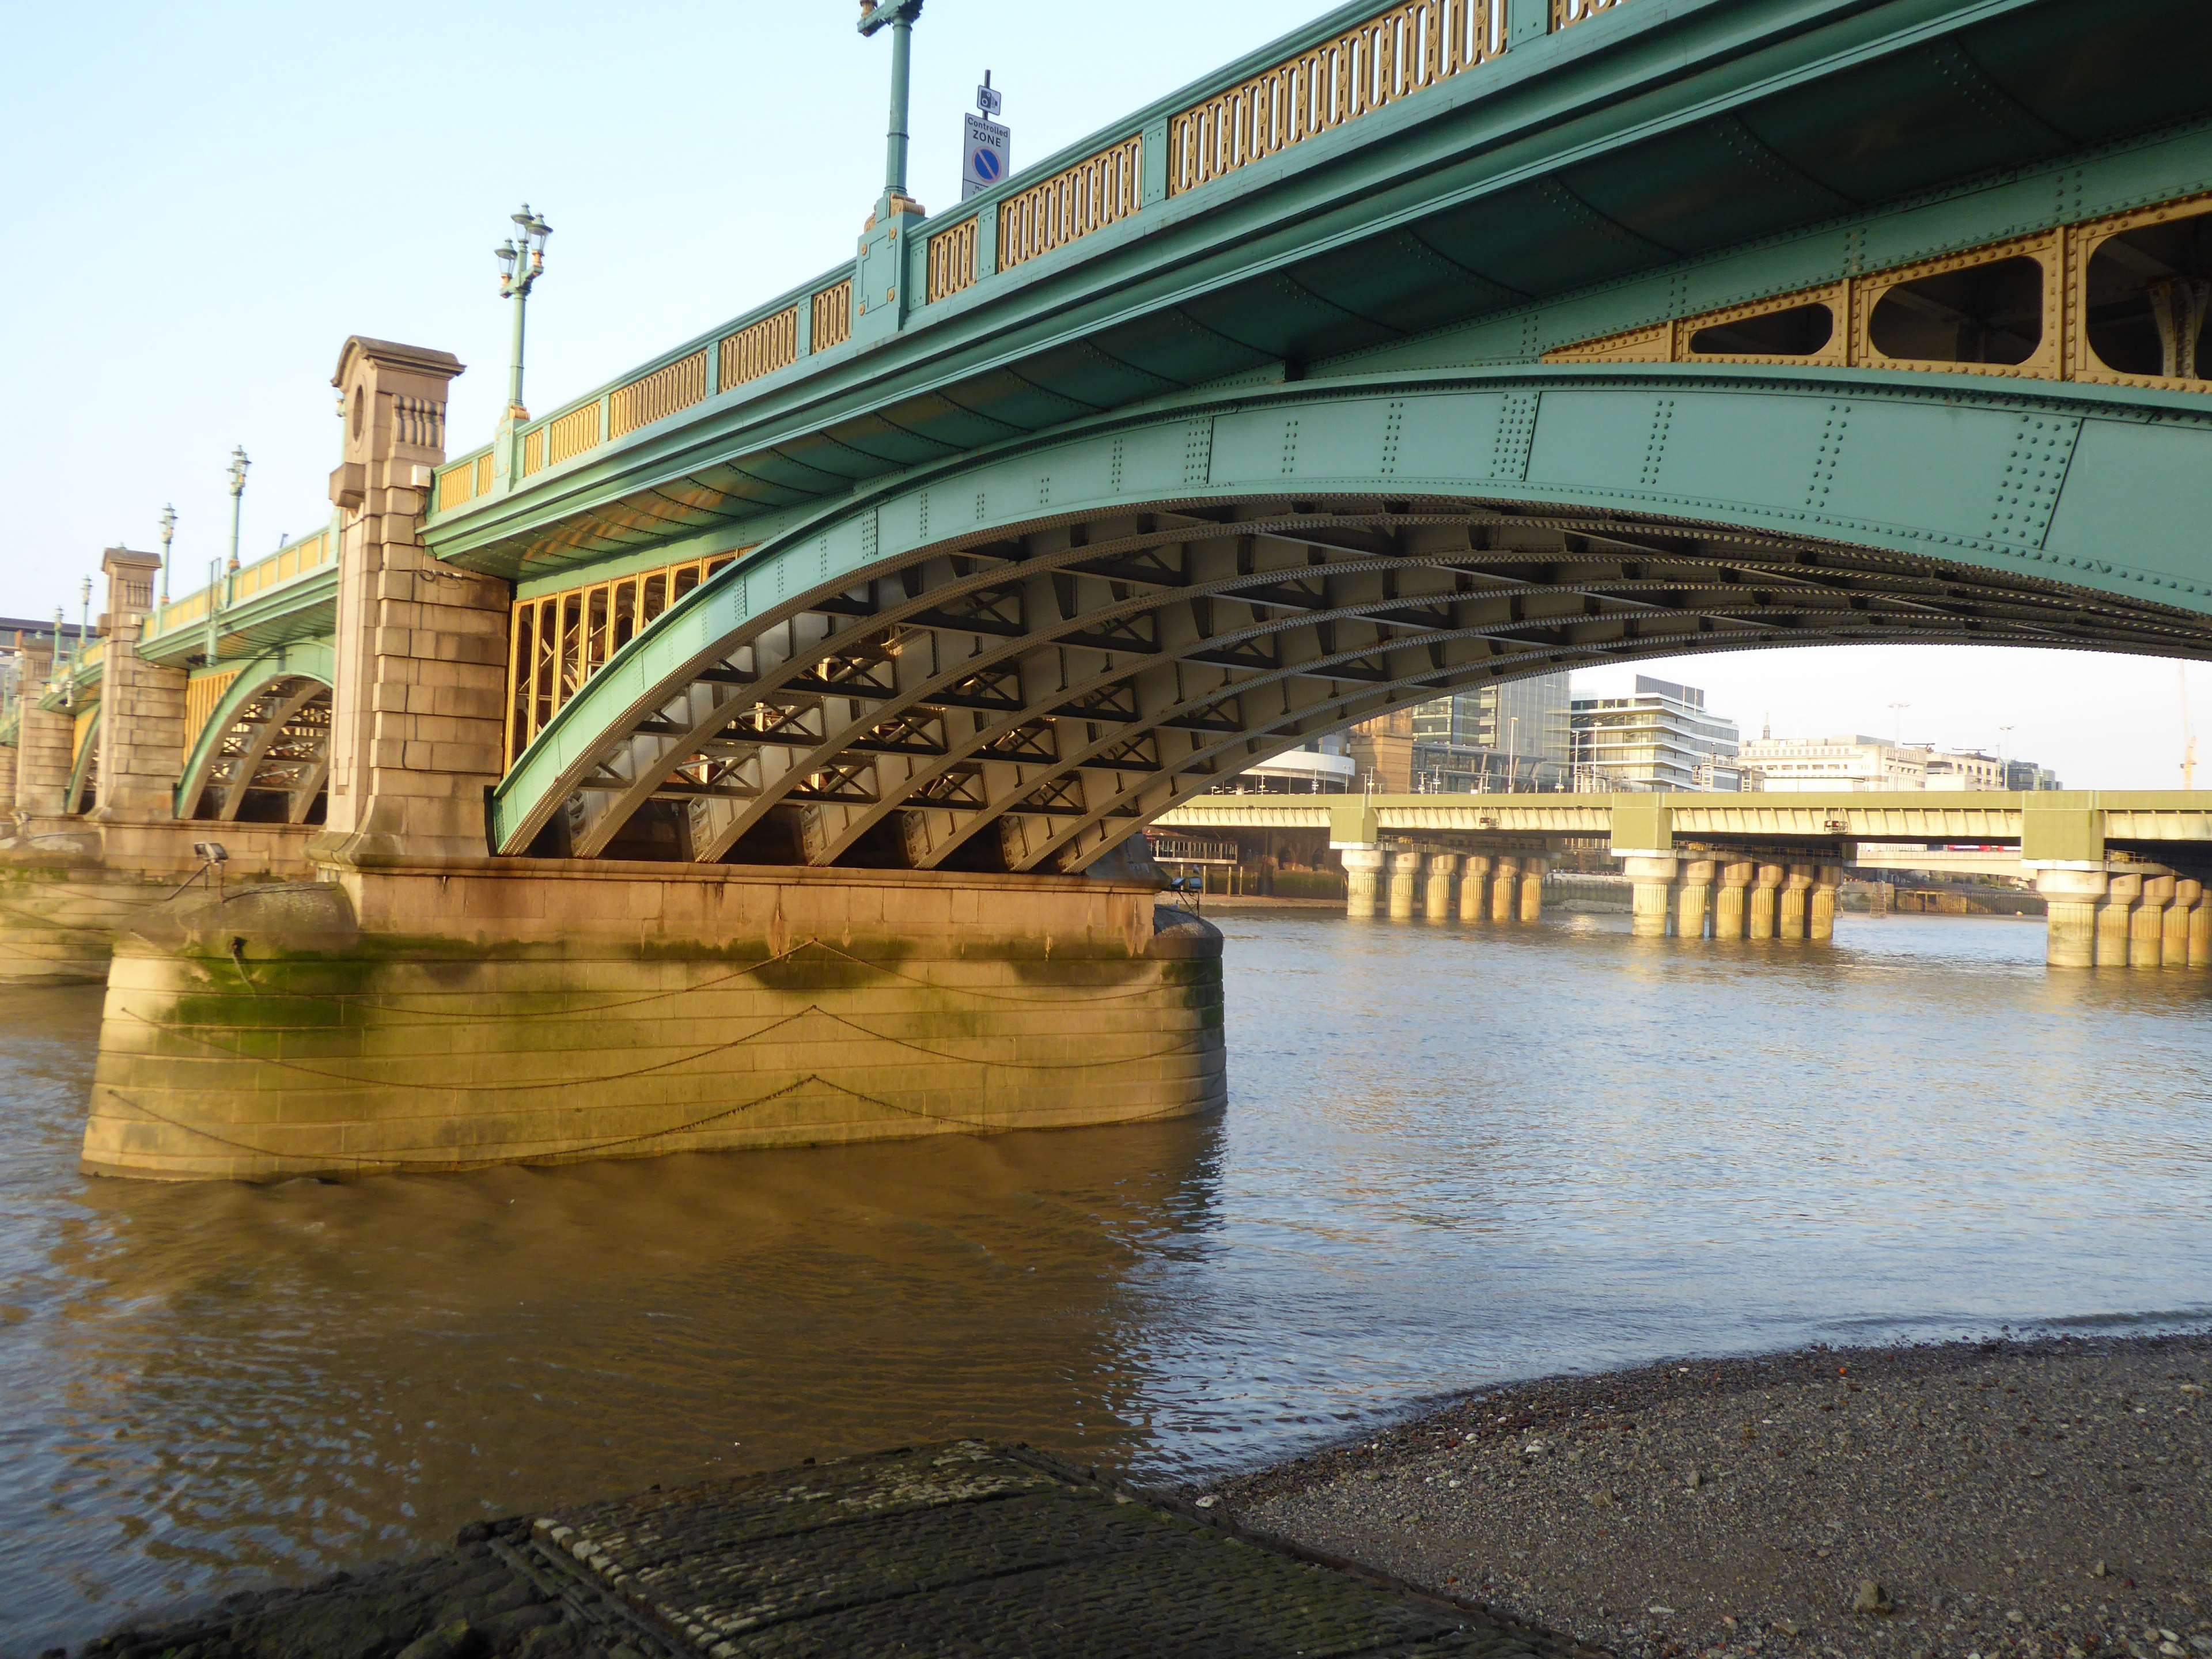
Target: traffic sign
column 988, row 157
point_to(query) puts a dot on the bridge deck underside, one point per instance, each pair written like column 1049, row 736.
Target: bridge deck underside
column 1026, row 699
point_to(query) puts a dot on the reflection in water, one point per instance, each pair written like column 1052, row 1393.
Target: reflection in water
column 1451, row 1157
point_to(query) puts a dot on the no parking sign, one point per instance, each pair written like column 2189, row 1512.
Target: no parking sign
column 987, row 159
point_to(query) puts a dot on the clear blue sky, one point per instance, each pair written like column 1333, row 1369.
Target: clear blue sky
column 202, row 202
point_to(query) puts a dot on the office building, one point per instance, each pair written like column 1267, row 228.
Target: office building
column 1514, row 736
column 1661, row 736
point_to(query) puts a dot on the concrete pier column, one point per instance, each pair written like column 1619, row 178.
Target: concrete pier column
column 1363, row 866
column 2070, row 898
column 1506, row 891
column 1789, row 913
column 1651, row 886
column 2147, row 927
column 1405, row 873
column 1730, row 898
column 44, row 743
column 1820, row 912
column 417, row 726
column 141, row 725
column 2200, row 933
column 1765, row 889
column 2112, row 917
column 1437, row 895
column 1532, row 892
column 1475, row 888
column 2180, row 915
column 1694, row 897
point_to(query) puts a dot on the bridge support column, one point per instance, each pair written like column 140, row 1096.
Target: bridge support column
column 1694, row 897
column 1729, row 898
column 600, row 1009
column 1506, row 891
column 43, row 742
column 1363, row 866
column 1820, row 912
column 141, row 732
column 2147, row 927
column 1405, row 875
column 1766, row 891
column 1475, row 888
column 1437, row 893
column 2200, row 933
column 2121, row 894
column 1651, row 886
column 2070, row 899
column 1532, row 892
column 2180, row 915
column 416, row 726
column 1789, row 916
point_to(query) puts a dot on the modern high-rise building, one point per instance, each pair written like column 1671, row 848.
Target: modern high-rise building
column 1661, row 736
column 1515, row 736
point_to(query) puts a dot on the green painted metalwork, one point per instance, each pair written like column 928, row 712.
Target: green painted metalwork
column 312, row 661
column 2078, row 502
column 83, row 768
column 1510, row 201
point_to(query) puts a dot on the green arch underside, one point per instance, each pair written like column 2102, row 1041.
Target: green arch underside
column 310, row 659
column 2094, row 490
column 80, row 768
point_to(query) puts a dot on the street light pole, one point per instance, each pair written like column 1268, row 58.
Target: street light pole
column 899, row 16
column 238, row 465
column 521, row 263
column 168, row 532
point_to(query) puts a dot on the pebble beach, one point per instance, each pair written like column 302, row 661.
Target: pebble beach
column 2039, row 1499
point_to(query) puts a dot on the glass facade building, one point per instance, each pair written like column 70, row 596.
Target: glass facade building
column 1659, row 737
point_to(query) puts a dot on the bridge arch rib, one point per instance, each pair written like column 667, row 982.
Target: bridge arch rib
column 1018, row 659
column 263, row 752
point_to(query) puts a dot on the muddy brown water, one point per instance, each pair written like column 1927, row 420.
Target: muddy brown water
column 1452, row 1157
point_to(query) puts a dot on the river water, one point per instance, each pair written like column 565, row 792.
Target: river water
column 1452, row 1157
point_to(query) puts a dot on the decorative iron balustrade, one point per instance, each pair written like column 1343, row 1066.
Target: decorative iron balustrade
column 1403, row 49
column 558, row 641
column 1096, row 192
column 1368, row 67
column 951, row 261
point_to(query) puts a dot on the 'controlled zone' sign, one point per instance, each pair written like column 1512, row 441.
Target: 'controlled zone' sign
column 987, row 157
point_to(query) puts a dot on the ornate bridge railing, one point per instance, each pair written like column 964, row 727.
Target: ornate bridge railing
column 1354, row 63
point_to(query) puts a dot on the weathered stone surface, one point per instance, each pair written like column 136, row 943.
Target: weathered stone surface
column 534, row 1011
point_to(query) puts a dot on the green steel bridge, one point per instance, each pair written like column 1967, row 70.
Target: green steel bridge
column 1430, row 345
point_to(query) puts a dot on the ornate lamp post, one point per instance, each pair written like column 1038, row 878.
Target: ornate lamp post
column 897, row 15
column 238, row 465
column 521, row 263
column 168, row 534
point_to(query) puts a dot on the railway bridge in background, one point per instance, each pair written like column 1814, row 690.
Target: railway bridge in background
column 1433, row 345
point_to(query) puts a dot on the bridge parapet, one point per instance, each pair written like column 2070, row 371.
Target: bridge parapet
column 1356, row 61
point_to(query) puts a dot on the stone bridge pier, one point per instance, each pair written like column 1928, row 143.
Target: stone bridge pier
column 97, row 844
column 419, row 1004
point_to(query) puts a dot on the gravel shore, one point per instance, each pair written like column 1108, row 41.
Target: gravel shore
column 2036, row 1499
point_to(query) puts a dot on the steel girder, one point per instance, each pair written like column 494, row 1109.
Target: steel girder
column 270, row 738
column 1092, row 644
